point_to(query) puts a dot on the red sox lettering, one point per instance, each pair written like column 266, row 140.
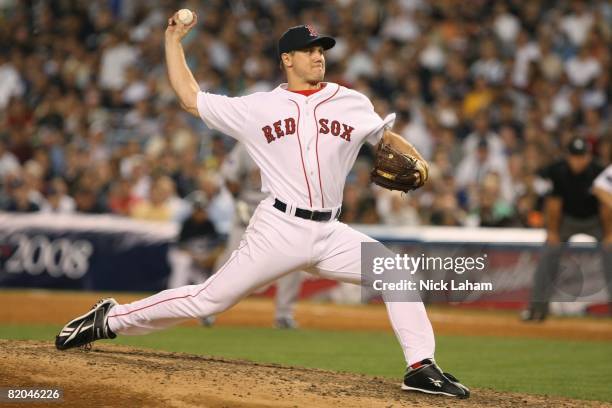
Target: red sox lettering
column 289, row 129
column 286, row 127
column 335, row 129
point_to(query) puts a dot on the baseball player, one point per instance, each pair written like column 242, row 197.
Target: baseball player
column 304, row 135
column 243, row 180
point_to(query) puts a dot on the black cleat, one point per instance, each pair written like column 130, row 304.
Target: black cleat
column 430, row 379
column 84, row 330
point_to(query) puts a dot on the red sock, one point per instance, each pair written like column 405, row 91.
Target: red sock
column 420, row 364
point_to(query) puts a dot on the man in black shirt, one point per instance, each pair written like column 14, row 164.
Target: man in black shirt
column 199, row 244
column 570, row 209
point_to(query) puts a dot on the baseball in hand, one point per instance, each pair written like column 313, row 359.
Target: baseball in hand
column 185, row 16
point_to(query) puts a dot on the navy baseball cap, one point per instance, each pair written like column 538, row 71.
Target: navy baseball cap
column 302, row 36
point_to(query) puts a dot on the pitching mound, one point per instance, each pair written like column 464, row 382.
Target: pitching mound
column 118, row 376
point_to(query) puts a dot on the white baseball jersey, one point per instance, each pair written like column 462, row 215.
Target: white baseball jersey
column 604, row 180
column 304, row 146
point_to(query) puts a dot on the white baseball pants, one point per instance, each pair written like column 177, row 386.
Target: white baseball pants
column 287, row 287
column 273, row 245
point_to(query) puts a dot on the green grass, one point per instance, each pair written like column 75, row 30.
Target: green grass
column 573, row 369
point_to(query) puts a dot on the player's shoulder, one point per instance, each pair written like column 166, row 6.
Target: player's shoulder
column 352, row 94
column 349, row 92
column 258, row 95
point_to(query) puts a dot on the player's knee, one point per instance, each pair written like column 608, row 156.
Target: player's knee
column 211, row 306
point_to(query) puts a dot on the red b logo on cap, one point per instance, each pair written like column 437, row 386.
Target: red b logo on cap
column 312, row 31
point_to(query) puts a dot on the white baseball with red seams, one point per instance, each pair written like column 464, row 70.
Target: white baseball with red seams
column 305, row 147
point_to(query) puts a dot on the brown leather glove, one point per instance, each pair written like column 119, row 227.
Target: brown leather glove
column 395, row 170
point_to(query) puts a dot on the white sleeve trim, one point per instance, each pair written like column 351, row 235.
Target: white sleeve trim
column 387, row 123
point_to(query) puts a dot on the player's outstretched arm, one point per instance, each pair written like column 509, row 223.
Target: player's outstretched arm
column 399, row 143
column 182, row 80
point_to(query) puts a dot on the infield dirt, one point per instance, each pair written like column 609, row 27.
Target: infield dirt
column 120, row 376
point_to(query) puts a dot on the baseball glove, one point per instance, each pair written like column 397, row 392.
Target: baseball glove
column 395, row 170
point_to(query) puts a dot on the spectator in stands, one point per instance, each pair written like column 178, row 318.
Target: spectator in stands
column 93, row 89
column 350, row 204
column 10, row 80
column 363, row 210
column 9, row 165
column 577, row 23
column 32, row 176
column 396, row 208
column 483, row 133
column 136, row 169
column 57, row 200
column 492, row 210
column 488, row 67
column 476, row 166
column 477, row 98
column 220, row 207
column 507, row 118
column 117, row 55
column 366, row 211
column 159, row 206
column 416, row 133
column 446, row 211
column 121, row 199
column 583, row 68
column 571, row 208
column 19, row 200
column 86, row 200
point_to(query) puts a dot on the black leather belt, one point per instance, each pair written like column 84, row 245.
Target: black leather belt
column 307, row 214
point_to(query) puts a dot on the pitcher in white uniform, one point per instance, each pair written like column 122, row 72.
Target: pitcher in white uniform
column 304, row 136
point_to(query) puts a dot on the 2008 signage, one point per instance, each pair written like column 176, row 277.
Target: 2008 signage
column 37, row 254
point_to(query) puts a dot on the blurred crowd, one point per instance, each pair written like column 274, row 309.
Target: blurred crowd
column 488, row 91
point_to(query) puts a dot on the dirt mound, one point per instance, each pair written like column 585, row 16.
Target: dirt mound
column 118, row 376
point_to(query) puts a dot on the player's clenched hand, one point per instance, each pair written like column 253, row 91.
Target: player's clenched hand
column 177, row 30
column 423, row 168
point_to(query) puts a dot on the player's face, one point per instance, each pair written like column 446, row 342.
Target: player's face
column 309, row 64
